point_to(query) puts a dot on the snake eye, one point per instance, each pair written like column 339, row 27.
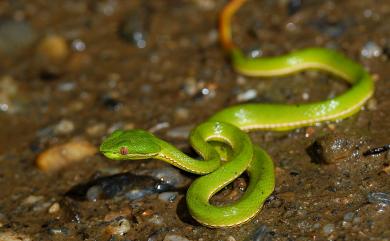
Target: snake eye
column 123, row 150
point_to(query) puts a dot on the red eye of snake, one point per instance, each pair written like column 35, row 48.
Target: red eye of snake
column 124, row 150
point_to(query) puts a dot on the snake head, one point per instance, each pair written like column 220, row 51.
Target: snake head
column 130, row 145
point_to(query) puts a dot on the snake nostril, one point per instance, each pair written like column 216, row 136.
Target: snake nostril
column 123, row 150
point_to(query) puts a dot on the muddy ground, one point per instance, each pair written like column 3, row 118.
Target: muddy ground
column 73, row 71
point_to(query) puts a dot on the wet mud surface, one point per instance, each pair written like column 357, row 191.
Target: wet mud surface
column 71, row 73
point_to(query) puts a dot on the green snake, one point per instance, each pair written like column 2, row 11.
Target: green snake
column 229, row 127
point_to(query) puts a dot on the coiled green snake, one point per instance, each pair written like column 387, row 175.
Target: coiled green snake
column 229, row 126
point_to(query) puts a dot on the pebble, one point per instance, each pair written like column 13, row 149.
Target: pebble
column 191, row 86
column 349, row 216
column 212, row 36
column 64, row 127
column 254, row 52
column 371, row 50
column 8, row 91
column 230, row 238
column 262, row 233
column 207, row 91
column 53, row 48
column 328, row 229
column 168, row 196
column 247, row 95
column 347, row 220
column 94, row 193
column 181, row 113
column 78, row 45
column 291, row 27
column 147, row 213
column 159, row 126
column 316, row 225
column 76, row 105
column 205, row 4
column 120, row 125
column 169, row 176
column 118, row 227
column 127, row 185
column 41, row 206
column 381, row 198
column 367, row 13
column 156, row 219
column 372, row 104
column 134, row 28
column 174, row 237
column 180, row 132
column 386, row 169
column 11, row 236
column 66, row 86
column 146, row 89
column 60, row 156
column 15, row 36
column 57, row 231
column 51, row 54
column 106, row 7
column 138, row 193
column 356, row 220
column 54, row 208
column 97, row 129
column 331, row 148
column 32, row 199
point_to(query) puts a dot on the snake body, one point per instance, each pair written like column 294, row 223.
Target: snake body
column 229, row 127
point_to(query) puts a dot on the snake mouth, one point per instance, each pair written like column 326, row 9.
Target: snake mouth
column 110, row 155
column 131, row 156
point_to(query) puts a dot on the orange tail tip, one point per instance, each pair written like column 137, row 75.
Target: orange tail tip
column 225, row 23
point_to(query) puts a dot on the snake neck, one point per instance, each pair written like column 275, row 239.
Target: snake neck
column 174, row 156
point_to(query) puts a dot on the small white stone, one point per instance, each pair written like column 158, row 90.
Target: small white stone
column 78, row 45
column 159, row 126
column 205, row 4
column 118, row 227
column 328, row 229
column 32, row 199
column 255, row 53
column 371, row 50
column 64, row 127
column 174, row 237
column 372, row 104
column 231, row 238
column 156, row 219
column 305, row 96
column 247, row 95
column 167, row 196
column 66, row 86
